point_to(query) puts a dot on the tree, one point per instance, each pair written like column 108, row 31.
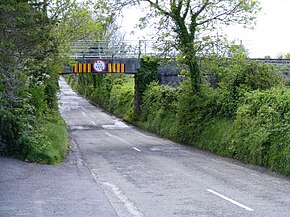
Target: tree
column 26, row 51
column 83, row 21
column 25, row 36
column 33, row 38
column 192, row 23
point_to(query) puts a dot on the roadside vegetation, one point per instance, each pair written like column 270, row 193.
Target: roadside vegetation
column 35, row 43
column 30, row 125
column 245, row 116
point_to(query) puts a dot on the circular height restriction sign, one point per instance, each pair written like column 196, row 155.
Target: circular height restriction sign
column 99, row 65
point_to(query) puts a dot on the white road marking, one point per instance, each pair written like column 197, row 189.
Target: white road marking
column 230, row 200
column 124, row 141
column 83, row 113
column 109, row 134
column 218, row 161
column 136, row 149
column 274, row 181
column 93, row 123
column 253, row 174
column 133, row 210
column 120, row 139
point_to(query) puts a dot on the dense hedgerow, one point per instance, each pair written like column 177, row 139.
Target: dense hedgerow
column 260, row 132
column 113, row 92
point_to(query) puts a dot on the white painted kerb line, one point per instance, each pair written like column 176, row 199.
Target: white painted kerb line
column 230, row 200
column 132, row 209
column 136, row 149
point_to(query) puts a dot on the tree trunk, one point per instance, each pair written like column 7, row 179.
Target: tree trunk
column 195, row 75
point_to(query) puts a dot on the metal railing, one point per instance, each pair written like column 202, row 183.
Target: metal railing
column 120, row 49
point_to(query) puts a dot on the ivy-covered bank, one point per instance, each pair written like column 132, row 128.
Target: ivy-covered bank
column 246, row 116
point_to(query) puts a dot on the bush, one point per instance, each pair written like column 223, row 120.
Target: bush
column 48, row 143
column 112, row 92
column 260, row 133
column 159, row 109
column 121, row 101
column 253, row 76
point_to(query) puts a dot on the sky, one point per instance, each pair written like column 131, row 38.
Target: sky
column 271, row 36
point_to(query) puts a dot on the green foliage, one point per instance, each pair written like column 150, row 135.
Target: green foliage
column 253, row 76
column 287, row 56
column 233, row 77
column 121, row 100
column 48, row 142
column 188, row 27
column 112, row 92
column 146, row 74
column 159, row 109
column 260, row 133
column 11, row 127
column 28, row 84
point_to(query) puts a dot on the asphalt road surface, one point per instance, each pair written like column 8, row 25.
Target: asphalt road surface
column 138, row 174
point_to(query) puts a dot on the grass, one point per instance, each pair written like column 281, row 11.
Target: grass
column 50, row 141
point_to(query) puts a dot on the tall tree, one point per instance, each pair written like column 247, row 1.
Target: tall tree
column 193, row 21
column 85, row 21
column 27, row 73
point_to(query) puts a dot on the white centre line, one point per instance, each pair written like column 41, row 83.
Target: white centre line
column 136, row 149
column 93, row 123
column 83, row 113
column 230, row 200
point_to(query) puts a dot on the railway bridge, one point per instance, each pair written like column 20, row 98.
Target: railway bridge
column 110, row 56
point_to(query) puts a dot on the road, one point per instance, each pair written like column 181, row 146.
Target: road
column 65, row 190
column 115, row 169
column 144, row 175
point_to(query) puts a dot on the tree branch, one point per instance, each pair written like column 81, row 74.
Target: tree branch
column 186, row 9
column 157, row 6
column 203, row 7
column 226, row 13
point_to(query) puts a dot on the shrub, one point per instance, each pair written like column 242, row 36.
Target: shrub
column 48, row 143
column 159, row 109
column 260, row 133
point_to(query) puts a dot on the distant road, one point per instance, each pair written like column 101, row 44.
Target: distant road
column 144, row 175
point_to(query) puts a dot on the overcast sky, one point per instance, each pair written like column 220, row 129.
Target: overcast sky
column 271, row 36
